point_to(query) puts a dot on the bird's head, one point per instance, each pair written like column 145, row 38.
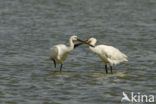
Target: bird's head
column 75, row 38
column 91, row 42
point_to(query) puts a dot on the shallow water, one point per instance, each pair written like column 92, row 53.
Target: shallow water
column 28, row 28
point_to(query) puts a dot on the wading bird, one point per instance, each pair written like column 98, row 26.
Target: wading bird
column 108, row 54
column 60, row 52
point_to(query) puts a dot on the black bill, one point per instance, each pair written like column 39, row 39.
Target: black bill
column 82, row 42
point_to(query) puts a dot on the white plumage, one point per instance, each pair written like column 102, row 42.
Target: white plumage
column 60, row 52
column 108, row 54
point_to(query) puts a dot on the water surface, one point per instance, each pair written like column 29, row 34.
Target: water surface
column 28, row 28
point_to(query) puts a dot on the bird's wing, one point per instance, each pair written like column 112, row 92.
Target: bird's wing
column 61, row 50
column 54, row 52
column 112, row 53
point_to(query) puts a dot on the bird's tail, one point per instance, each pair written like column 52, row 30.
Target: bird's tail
column 124, row 57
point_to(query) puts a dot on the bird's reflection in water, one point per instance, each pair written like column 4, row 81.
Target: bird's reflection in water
column 116, row 74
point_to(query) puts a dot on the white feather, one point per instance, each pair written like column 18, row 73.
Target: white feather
column 108, row 54
column 60, row 52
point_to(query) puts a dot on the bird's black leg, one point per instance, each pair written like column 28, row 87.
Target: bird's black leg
column 54, row 63
column 61, row 67
column 111, row 69
column 106, row 69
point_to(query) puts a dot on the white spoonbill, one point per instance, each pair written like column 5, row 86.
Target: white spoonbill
column 60, row 52
column 108, row 54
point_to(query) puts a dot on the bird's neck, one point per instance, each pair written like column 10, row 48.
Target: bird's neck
column 92, row 49
column 71, row 47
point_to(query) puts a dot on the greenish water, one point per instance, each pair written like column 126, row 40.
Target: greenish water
column 28, row 28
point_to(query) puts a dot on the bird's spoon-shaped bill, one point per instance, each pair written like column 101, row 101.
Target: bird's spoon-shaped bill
column 83, row 42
